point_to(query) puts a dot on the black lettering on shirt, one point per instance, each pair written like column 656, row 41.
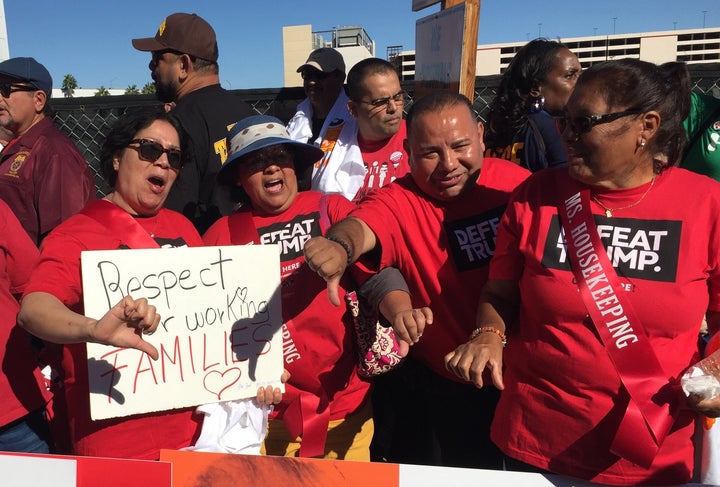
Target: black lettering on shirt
column 472, row 240
column 292, row 235
column 645, row 249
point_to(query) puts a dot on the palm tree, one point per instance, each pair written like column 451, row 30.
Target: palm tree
column 132, row 90
column 102, row 91
column 148, row 89
column 68, row 85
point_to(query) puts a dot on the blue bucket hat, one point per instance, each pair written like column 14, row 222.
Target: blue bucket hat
column 258, row 132
column 28, row 70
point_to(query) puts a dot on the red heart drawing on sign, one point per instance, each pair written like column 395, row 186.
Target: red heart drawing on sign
column 216, row 382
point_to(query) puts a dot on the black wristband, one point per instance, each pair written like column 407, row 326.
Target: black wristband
column 344, row 245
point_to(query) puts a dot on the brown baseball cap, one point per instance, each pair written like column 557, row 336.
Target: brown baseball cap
column 186, row 33
column 325, row 59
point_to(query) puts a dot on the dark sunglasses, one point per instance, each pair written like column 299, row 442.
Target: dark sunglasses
column 398, row 98
column 262, row 158
column 7, row 88
column 151, row 151
column 582, row 125
column 314, row 74
column 158, row 55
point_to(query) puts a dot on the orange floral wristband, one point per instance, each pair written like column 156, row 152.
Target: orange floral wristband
column 489, row 329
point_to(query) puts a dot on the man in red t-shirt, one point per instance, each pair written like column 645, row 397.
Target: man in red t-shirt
column 376, row 102
column 437, row 225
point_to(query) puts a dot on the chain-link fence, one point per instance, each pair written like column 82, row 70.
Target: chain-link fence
column 87, row 120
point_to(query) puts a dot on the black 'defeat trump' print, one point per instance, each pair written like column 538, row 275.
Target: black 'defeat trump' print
column 645, row 249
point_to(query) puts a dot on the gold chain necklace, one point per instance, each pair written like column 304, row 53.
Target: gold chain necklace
column 609, row 211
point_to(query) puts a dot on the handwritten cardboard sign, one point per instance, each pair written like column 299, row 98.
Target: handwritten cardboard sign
column 220, row 331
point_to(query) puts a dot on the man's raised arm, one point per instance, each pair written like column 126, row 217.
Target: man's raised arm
column 342, row 245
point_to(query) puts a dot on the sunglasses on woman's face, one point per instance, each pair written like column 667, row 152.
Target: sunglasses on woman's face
column 583, row 125
column 151, row 151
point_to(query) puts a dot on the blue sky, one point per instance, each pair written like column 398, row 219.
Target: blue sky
column 90, row 39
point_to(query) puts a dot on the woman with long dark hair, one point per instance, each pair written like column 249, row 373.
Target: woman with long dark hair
column 534, row 88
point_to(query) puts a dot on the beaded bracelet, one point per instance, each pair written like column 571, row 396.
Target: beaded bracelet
column 489, row 329
column 344, row 245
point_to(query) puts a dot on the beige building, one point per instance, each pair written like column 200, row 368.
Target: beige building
column 693, row 46
column 299, row 41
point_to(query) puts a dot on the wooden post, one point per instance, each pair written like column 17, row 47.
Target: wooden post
column 469, row 48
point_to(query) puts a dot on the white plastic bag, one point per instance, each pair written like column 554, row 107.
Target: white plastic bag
column 702, row 379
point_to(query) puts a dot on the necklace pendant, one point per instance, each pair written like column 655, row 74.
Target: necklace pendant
column 608, row 213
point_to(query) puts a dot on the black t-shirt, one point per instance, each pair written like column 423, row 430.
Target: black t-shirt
column 206, row 115
column 317, row 124
column 536, row 146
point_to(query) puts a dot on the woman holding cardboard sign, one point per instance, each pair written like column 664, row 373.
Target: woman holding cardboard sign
column 326, row 410
column 141, row 158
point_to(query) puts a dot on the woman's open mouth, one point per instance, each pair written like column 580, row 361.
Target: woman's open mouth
column 274, row 186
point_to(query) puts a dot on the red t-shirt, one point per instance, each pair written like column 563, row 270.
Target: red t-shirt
column 21, row 384
column 563, row 398
column 442, row 249
column 385, row 161
column 140, row 436
column 318, row 340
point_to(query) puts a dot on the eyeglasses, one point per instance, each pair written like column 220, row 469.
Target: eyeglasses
column 7, row 88
column 398, row 98
column 151, row 151
column 314, row 74
column 581, row 125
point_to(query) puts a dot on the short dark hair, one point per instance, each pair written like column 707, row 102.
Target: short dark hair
column 434, row 102
column 363, row 69
column 635, row 85
column 204, row 66
column 124, row 130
